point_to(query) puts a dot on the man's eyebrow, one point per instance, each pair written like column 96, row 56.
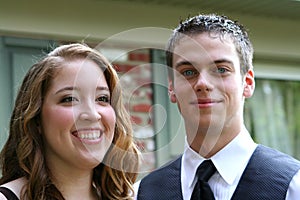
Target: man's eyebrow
column 182, row 63
column 219, row 61
column 222, row 61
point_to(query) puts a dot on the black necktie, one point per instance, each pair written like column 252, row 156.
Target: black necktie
column 202, row 190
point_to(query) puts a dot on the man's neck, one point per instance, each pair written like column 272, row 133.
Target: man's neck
column 208, row 142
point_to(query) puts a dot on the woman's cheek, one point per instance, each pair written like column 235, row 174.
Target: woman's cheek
column 109, row 120
column 60, row 116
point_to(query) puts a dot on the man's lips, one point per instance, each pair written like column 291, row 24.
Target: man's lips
column 205, row 102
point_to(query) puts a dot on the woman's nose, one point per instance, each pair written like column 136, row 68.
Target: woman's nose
column 90, row 112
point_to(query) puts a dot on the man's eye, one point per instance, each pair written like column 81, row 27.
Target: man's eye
column 221, row 70
column 189, row 72
column 103, row 99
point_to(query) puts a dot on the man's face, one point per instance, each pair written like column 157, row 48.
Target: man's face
column 208, row 86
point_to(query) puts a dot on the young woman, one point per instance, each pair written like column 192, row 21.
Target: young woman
column 70, row 136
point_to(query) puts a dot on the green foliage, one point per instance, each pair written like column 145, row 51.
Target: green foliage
column 272, row 115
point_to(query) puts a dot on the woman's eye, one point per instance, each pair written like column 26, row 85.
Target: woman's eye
column 68, row 99
column 104, row 99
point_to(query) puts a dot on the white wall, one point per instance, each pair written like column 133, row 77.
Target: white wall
column 96, row 20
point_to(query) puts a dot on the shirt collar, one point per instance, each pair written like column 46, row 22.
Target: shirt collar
column 230, row 162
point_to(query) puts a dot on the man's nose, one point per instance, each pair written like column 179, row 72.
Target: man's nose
column 202, row 83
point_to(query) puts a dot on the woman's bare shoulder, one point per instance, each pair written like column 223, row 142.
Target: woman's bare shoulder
column 15, row 186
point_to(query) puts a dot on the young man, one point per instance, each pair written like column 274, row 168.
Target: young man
column 211, row 74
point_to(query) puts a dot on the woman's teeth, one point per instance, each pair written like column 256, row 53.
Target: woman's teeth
column 89, row 136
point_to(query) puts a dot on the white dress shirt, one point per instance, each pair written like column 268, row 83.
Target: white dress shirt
column 230, row 162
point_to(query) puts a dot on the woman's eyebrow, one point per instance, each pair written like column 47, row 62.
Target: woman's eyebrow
column 102, row 88
column 71, row 88
column 68, row 88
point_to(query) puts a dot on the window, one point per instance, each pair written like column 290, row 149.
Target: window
column 272, row 115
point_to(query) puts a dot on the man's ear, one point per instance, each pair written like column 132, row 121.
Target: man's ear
column 249, row 84
column 171, row 92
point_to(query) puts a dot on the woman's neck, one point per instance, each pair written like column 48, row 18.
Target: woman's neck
column 74, row 184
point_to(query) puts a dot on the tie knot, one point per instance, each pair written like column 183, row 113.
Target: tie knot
column 205, row 170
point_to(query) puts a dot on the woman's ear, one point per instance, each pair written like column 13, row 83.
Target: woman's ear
column 249, row 84
column 171, row 92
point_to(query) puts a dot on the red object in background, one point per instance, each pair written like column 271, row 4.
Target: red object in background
column 136, row 120
column 139, row 56
column 140, row 145
column 141, row 108
column 123, row 67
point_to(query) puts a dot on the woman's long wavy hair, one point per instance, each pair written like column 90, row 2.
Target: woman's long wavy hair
column 23, row 153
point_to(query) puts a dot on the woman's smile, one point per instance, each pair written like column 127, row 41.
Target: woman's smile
column 88, row 135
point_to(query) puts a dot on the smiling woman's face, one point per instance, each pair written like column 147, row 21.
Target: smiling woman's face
column 77, row 118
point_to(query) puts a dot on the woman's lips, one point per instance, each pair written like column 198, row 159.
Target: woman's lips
column 88, row 134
